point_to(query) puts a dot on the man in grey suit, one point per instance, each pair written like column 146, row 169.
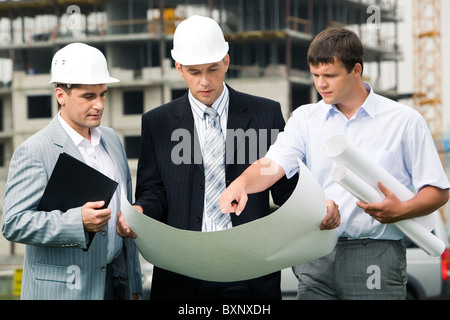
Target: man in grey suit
column 59, row 262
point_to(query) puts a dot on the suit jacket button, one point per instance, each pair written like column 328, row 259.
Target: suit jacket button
column 202, row 186
column 102, row 268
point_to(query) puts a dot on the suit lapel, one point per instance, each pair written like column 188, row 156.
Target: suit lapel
column 238, row 118
column 115, row 154
column 183, row 119
column 62, row 139
column 237, row 112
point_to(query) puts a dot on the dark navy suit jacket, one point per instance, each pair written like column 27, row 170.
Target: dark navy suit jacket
column 174, row 193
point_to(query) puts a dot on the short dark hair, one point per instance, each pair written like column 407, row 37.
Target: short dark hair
column 339, row 43
column 66, row 88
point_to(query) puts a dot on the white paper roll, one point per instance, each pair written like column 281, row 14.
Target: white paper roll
column 362, row 165
column 412, row 229
column 358, row 174
column 355, row 185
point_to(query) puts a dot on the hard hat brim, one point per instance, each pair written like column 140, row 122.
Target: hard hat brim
column 199, row 60
column 75, row 81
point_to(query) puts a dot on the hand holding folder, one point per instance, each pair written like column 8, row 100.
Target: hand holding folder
column 72, row 184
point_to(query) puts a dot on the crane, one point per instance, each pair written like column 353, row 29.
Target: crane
column 427, row 95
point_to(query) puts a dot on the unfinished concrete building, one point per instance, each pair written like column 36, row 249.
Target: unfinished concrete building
column 268, row 44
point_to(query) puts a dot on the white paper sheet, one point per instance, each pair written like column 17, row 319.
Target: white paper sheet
column 359, row 175
column 288, row 237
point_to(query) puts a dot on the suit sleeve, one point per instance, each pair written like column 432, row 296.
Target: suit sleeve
column 21, row 222
column 150, row 191
column 134, row 267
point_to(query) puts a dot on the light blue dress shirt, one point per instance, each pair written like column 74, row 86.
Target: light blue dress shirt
column 394, row 135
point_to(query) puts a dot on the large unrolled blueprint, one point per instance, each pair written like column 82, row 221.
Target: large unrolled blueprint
column 360, row 175
column 288, row 237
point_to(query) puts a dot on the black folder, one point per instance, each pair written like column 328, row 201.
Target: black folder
column 73, row 183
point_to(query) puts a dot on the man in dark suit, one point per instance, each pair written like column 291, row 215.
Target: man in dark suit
column 171, row 170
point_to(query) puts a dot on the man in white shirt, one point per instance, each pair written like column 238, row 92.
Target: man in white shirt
column 394, row 135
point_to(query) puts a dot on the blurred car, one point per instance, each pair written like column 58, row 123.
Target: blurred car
column 147, row 274
column 428, row 277
column 289, row 284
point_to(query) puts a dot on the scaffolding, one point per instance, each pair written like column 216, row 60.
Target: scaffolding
column 268, row 39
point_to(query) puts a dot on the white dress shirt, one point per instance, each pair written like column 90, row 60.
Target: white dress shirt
column 95, row 155
column 198, row 110
column 394, row 135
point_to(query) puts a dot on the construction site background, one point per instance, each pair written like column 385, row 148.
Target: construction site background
column 268, row 44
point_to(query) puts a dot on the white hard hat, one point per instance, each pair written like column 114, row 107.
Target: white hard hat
column 79, row 63
column 198, row 40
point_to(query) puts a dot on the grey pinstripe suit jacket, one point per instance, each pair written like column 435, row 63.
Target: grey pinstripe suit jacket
column 55, row 266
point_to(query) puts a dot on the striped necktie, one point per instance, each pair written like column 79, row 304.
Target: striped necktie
column 214, row 165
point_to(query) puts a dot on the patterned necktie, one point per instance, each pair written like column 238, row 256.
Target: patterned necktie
column 214, row 165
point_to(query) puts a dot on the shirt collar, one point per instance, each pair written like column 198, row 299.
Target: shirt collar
column 368, row 107
column 76, row 137
column 220, row 105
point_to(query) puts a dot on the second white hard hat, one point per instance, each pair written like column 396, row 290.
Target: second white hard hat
column 198, row 40
column 79, row 63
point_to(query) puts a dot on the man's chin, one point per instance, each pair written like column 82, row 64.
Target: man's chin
column 328, row 100
column 94, row 124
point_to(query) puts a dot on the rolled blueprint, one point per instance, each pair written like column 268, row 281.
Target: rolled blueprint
column 367, row 169
column 411, row 228
column 355, row 185
column 359, row 174
column 344, row 153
